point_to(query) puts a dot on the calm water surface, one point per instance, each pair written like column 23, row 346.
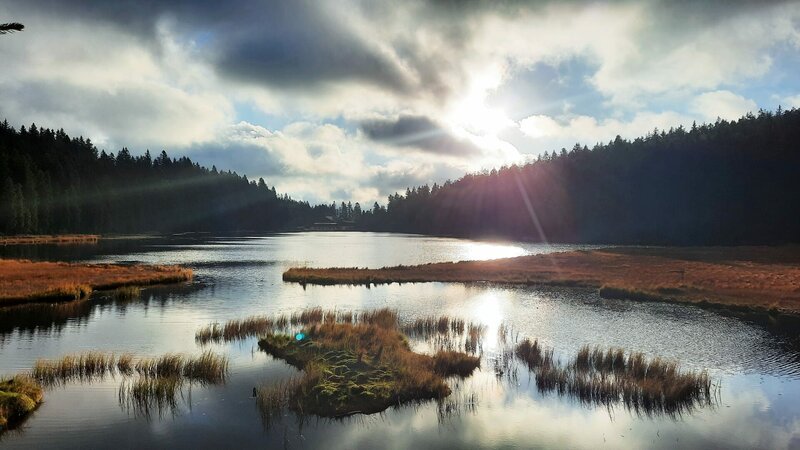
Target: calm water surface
column 756, row 364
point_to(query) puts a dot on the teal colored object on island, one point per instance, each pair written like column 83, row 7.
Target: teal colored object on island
column 299, row 336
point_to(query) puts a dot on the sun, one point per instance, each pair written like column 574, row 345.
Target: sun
column 474, row 116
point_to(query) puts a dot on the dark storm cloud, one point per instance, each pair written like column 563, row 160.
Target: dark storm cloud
column 287, row 44
column 417, row 131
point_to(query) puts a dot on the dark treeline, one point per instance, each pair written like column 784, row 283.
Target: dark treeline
column 51, row 183
column 723, row 183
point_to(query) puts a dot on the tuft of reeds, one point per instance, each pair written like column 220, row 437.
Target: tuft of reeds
column 255, row 326
column 144, row 395
column 448, row 363
column 207, row 367
column 533, row 354
column 272, row 400
column 611, row 376
column 447, row 333
column 127, row 292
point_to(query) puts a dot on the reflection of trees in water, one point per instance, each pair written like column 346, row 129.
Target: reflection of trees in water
column 51, row 318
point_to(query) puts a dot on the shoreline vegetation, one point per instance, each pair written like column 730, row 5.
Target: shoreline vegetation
column 58, row 239
column 23, row 281
column 749, row 278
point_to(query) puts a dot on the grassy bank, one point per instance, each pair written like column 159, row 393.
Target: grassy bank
column 19, row 396
column 25, row 281
column 58, row 239
column 759, row 278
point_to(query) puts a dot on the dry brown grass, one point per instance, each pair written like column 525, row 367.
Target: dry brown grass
column 145, row 395
column 612, row 376
column 59, row 239
column 360, row 363
column 253, row 326
column 205, row 368
column 747, row 277
column 24, row 281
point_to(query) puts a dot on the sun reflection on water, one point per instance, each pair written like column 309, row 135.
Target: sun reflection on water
column 488, row 309
column 485, row 250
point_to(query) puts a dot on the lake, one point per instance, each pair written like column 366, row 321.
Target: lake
column 755, row 365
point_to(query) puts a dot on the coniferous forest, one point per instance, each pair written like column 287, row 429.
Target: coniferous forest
column 734, row 182
column 51, row 183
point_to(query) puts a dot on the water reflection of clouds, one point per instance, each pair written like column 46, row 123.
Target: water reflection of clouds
column 551, row 422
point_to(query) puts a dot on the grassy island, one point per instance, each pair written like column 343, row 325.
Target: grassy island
column 363, row 367
column 19, row 396
column 25, row 281
column 746, row 277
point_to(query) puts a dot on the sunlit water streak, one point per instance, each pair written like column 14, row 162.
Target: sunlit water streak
column 237, row 277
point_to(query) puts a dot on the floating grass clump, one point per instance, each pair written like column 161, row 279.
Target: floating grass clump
column 207, row 367
column 19, row 396
column 607, row 377
column 253, row 326
column 361, row 367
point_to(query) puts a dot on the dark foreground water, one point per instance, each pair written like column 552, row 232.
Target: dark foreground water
column 756, row 363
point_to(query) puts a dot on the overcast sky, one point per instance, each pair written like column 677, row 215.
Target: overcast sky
column 341, row 100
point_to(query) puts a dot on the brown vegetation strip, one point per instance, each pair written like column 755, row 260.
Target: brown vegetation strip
column 748, row 277
column 22, row 281
column 61, row 239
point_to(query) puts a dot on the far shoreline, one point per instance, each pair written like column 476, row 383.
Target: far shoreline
column 57, row 239
column 765, row 279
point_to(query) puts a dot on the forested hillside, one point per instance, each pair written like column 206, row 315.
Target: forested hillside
column 723, row 183
column 51, row 183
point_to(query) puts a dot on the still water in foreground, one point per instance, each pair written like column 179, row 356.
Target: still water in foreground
column 755, row 365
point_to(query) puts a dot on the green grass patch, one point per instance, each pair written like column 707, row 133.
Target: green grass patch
column 19, row 396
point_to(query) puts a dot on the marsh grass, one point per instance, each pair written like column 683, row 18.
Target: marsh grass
column 359, row 363
column 254, row 326
column 613, row 376
column 447, row 333
column 127, row 293
column 25, row 281
column 206, row 368
column 145, row 395
column 19, row 396
column 705, row 276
